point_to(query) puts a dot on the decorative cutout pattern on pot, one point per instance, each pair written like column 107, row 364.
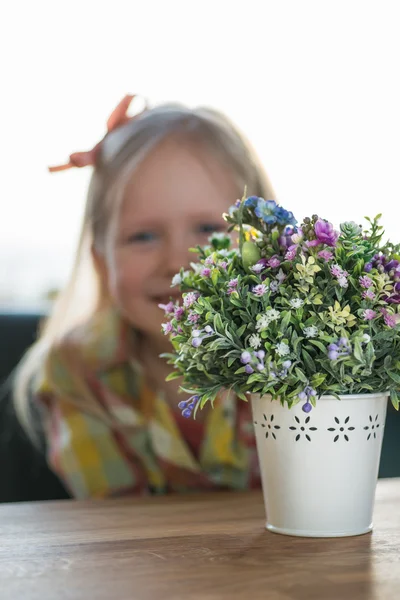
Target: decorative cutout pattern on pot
column 301, row 429
column 372, row 428
column 269, row 426
column 341, row 430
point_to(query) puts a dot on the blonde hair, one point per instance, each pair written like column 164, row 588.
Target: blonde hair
column 121, row 152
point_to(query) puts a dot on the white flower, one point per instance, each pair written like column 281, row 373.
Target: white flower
column 274, row 285
column 296, row 302
column 257, row 268
column 310, row 332
column 224, row 252
column 342, row 281
column 282, row 349
column 197, row 267
column 255, row 341
column 281, row 276
column 177, row 279
column 273, row 314
column 366, row 338
column 267, row 318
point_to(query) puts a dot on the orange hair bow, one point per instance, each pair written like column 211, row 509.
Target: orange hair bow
column 117, row 118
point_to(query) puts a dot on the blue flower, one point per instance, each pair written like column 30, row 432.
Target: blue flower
column 265, row 210
column 284, row 217
column 252, row 201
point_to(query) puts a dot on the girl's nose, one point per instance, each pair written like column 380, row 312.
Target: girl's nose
column 177, row 255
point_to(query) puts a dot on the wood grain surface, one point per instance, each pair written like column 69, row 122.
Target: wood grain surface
column 208, row 546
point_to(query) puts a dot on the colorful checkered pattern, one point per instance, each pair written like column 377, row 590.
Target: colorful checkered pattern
column 141, row 447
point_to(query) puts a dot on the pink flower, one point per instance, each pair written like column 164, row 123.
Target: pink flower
column 368, row 294
column 193, row 317
column 209, row 260
column 291, row 252
column 190, row 299
column 167, row 328
column 325, row 254
column 167, row 308
column 224, row 265
column 365, row 281
column 260, row 290
column 369, row 314
column 337, row 271
column 206, row 272
column 274, row 262
column 390, row 320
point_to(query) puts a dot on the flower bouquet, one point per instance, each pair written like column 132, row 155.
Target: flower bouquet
column 304, row 322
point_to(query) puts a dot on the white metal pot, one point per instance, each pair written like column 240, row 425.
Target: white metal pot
column 319, row 470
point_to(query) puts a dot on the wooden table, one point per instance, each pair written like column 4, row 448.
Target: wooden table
column 210, row 546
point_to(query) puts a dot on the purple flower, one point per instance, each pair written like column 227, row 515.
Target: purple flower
column 260, row 290
column 188, row 406
column 196, row 342
column 307, row 407
column 209, row 260
column 369, row 314
column 249, row 370
column 167, row 328
column 179, row 312
column 285, row 240
column 368, row 295
column 206, row 272
column 167, row 308
column 232, row 283
column 333, row 355
column 366, row 282
column 274, row 262
column 325, row 254
column 223, row 265
column 245, row 357
column 368, row 267
column 325, row 234
column 291, row 252
column 190, row 299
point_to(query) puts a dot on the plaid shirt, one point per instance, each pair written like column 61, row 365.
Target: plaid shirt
column 145, row 446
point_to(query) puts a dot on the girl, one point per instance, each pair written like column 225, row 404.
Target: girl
column 109, row 421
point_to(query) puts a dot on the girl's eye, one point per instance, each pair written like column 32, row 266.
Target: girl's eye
column 209, row 227
column 142, row 237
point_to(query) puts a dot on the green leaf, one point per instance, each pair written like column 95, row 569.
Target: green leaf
column 394, row 398
column 357, row 351
column 173, row 375
column 241, row 330
column 319, row 345
column 310, row 364
column 218, row 324
column 300, row 375
column 394, row 376
column 285, row 321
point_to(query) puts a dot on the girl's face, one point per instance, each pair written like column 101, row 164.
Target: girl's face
column 173, row 202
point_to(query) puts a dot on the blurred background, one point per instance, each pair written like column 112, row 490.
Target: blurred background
column 314, row 86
